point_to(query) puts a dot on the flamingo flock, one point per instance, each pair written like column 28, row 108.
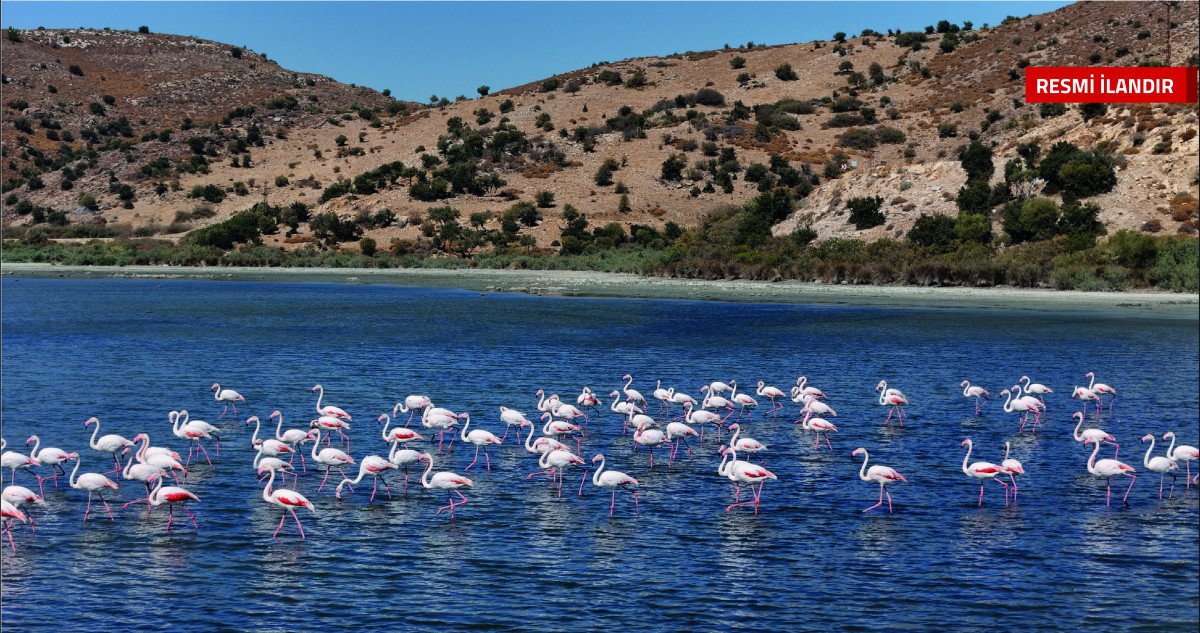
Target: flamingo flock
column 564, row 431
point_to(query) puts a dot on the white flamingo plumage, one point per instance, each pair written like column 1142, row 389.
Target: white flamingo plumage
column 820, row 427
column 444, row 480
column 18, row 496
column 511, row 418
column 1183, row 454
column 373, row 465
column 292, row 437
column 743, row 472
column 614, row 479
column 227, row 396
column 330, row 458
column 1106, row 469
column 1013, row 468
column 1101, row 389
column 1017, row 405
column 49, row 456
column 974, row 392
column 983, row 471
column 1161, row 465
column 410, row 406
column 287, row 499
column 747, row 445
column 400, row 434
column 480, row 438
column 633, row 395
column 678, row 431
column 894, row 400
column 1085, row 394
column 11, row 513
column 93, row 483
column 111, row 443
column 173, row 496
column 1035, row 388
column 742, row 400
column 649, row 438
column 1094, row 434
column 771, row 393
column 329, row 409
column 14, row 461
column 881, row 475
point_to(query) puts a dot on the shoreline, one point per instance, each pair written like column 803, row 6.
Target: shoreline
column 614, row 285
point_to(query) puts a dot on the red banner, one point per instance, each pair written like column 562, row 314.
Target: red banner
column 1110, row 84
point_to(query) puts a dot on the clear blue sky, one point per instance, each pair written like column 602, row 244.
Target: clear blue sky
column 419, row 49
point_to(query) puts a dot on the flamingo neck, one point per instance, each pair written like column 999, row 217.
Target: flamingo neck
column 270, row 483
column 1146, row 459
column 966, row 387
column 801, row 381
column 1008, row 403
column 141, row 453
column 257, row 457
column 316, row 444
column 529, row 440
column 128, row 467
column 1091, row 465
column 1006, row 448
column 155, row 498
column 733, row 438
column 628, row 382
column 1025, row 381
column 320, row 394
column 1171, row 448
column 428, row 467
column 723, row 470
column 968, row 457
column 254, row 438
column 596, row 475
column 37, row 441
column 463, row 433
column 387, row 419
column 92, row 442
column 1093, row 381
column 1078, row 438
column 862, row 472
column 279, row 428
column 882, row 393
column 71, row 480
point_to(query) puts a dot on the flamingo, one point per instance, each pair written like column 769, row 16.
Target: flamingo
column 400, row 434
column 699, row 417
column 1182, row 453
column 1161, row 465
column 800, row 388
column 287, row 499
column 881, row 475
column 1034, row 405
column 111, row 443
column 973, row 392
column 141, row 471
column 543, row 445
column 373, row 465
column 815, row 407
column 270, row 447
column 744, row 444
column 566, row 411
column 614, row 479
column 663, row 396
column 162, row 458
column 440, row 420
column 192, row 433
column 682, row 399
column 742, row 400
column 1035, row 388
column 18, row 496
column 556, row 461
column 511, row 418
column 229, row 397
column 49, row 456
column 14, row 461
column 1101, row 389
column 558, row 428
column 329, row 409
column 274, row 463
column 403, row 458
column 1016, row 406
column 893, row 399
column 329, row 423
column 204, row 426
column 12, row 513
column 742, row 472
column 679, row 431
column 330, row 458
column 713, row 401
column 1012, row 467
column 772, row 393
column 1107, row 469
column 718, row 387
column 819, row 427
column 292, row 437
column 983, row 471
column 480, row 438
column 93, row 483
column 632, row 395
column 173, row 496
column 444, row 480
column 544, row 404
column 410, row 406
column 650, row 439
column 586, row 400
column 1093, row 434
column 624, row 408
column 1085, row 394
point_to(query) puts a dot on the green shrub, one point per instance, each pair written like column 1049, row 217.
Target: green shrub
column 785, row 73
column 281, row 181
column 865, row 213
column 737, row 62
column 936, row 232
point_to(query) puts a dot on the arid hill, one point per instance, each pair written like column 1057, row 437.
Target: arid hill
column 167, row 116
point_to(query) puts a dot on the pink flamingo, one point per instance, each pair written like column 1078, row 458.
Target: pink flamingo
column 800, row 388
column 820, row 427
column 893, row 400
column 745, row 444
column 815, row 407
column 1033, row 404
column 1161, row 465
column 511, row 418
column 111, row 443
column 973, row 392
column 229, row 397
column 403, row 458
column 11, row 513
column 204, row 426
column 682, row 399
column 292, row 437
column 1182, row 453
column 614, row 479
column 270, row 447
column 585, row 400
column 173, row 496
column 480, row 438
column 160, row 457
column 93, row 483
column 742, row 472
column 624, row 408
column 1035, row 388
column 742, row 400
column 1107, row 469
column 141, row 471
column 18, row 496
column 1093, row 434
column 1012, row 467
column 287, row 499
column 567, row 412
column 1101, row 389
column 192, row 434
column 699, row 417
column 329, row 409
column 1085, row 394
column 633, row 395
column 410, row 406
column 444, row 480
column 330, row 458
column 983, row 471
column 558, row 428
column 679, row 431
column 649, row 438
column 772, row 393
column 400, row 434
column 274, row 463
column 329, row 423
column 373, row 465
column 555, row 462
column 664, row 398
column 440, row 420
column 49, row 456
column 881, row 475
column 1016, row 406
column 14, row 461
column 713, row 401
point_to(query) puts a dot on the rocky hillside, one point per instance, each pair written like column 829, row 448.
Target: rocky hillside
column 171, row 119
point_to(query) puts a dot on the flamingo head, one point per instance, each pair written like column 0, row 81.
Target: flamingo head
column 31, row 438
column 546, row 415
column 857, row 451
column 539, row 392
column 253, row 418
column 90, row 420
column 1024, row 378
column 525, row 424
column 214, row 387
column 880, row 385
column 966, row 442
column 1147, row 437
column 276, row 414
column 382, row 418
column 1077, row 414
column 1165, row 435
column 735, row 426
column 614, row 393
column 626, row 377
column 1005, row 392
column 141, row 436
column 962, row 384
column 1089, row 375
column 597, row 458
column 315, row 387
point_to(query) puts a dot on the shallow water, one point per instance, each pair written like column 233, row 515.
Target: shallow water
column 517, row 557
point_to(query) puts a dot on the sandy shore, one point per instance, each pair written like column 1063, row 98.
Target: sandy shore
column 576, row 283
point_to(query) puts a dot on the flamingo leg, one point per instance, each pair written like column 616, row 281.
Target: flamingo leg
column 487, row 460
column 1133, row 478
column 889, row 496
column 110, row 514
column 281, row 519
column 505, row 436
column 827, row 442
column 223, row 412
column 613, row 504
column 474, row 460
column 636, row 507
column 581, row 480
column 880, row 501
column 170, row 516
column 8, row 531
column 324, row 480
column 200, row 447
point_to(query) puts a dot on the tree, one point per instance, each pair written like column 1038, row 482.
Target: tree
column 737, row 62
column 1090, row 111
column 367, row 246
column 1031, row 220
column 936, row 232
column 483, row 90
column 236, row 52
column 672, row 168
column 865, row 213
column 603, row 175
column 976, row 160
column 839, row 37
column 784, row 72
column 545, row 199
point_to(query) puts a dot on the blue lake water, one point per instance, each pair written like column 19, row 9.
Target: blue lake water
column 517, row 557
